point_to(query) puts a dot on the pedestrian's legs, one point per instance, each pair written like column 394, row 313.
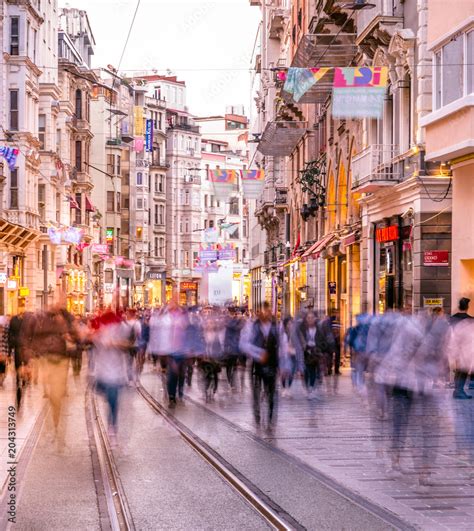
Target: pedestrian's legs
column 112, row 399
column 459, row 383
column 181, row 365
column 402, row 400
column 172, row 382
column 270, row 388
column 257, row 389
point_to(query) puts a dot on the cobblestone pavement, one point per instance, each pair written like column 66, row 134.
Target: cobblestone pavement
column 336, row 434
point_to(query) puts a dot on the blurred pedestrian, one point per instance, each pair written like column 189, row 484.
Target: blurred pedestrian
column 260, row 340
column 460, row 374
column 288, row 351
column 313, row 339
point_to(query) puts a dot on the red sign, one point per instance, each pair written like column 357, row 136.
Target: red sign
column 387, row 234
column 188, row 286
column 436, row 258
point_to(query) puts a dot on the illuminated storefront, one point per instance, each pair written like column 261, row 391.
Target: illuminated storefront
column 76, row 291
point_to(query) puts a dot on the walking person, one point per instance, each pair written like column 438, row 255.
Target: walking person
column 231, row 345
column 287, row 355
column 260, row 340
column 314, row 343
column 110, row 354
column 214, row 337
column 460, row 374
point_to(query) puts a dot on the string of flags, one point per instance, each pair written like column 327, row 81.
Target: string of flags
column 358, row 92
column 225, row 182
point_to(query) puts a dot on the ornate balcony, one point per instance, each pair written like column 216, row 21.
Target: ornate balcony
column 374, row 168
column 278, row 20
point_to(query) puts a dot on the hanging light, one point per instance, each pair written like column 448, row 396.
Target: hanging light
column 357, row 5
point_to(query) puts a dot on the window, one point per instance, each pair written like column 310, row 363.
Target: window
column 78, row 211
column 156, row 183
column 162, row 183
column 211, row 223
column 161, row 252
column 161, row 219
column 109, row 276
column 181, row 227
column 110, row 201
column 42, row 130
column 156, row 214
column 245, row 228
column 41, row 201
column 15, row 36
column 186, row 259
column 156, row 247
column 186, row 197
column 186, row 226
column 139, row 178
column 205, row 201
column 139, row 203
column 454, row 70
column 78, row 155
column 14, row 188
column 110, row 163
column 58, row 141
column 234, row 206
column 58, row 207
column 118, row 168
column 244, row 255
column 14, row 109
column 118, row 202
column 78, row 108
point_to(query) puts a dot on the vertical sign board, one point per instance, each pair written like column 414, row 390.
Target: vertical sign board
column 149, row 136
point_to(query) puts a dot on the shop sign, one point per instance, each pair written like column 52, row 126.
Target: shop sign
column 436, row 258
column 100, row 248
column 109, row 288
column 188, row 286
column 332, row 287
column 431, row 302
column 149, row 136
column 155, row 275
column 23, row 292
column 207, row 256
column 11, row 284
column 387, row 234
column 109, row 235
column 227, row 254
column 3, row 277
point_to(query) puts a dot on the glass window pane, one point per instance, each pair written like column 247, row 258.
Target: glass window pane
column 470, row 61
column 453, row 70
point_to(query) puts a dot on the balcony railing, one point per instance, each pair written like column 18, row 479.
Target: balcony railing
column 159, row 163
column 185, row 127
column 281, row 197
column 278, row 19
column 192, row 179
column 373, row 168
column 383, row 10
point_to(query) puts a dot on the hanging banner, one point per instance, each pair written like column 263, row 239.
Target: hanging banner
column 207, row 255
column 359, row 92
column 300, row 80
column 224, row 182
column 149, row 136
column 10, row 155
column 139, row 144
column 210, row 235
column 65, row 235
column 138, row 121
column 253, row 182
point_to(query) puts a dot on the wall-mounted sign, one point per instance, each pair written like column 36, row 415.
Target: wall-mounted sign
column 100, row 248
column 3, row 277
column 65, row 235
column 109, row 235
column 436, row 258
column 433, row 302
column 387, row 234
column 155, row 275
column 11, row 284
column 188, row 286
column 23, row 292
column 149, row 136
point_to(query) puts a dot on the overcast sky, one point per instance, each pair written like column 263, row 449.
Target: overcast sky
column 208, row 44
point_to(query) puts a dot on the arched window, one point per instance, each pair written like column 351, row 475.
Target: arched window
column 79, row 104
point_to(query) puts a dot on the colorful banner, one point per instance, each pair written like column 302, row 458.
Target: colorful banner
column 65, row 235
column 10, row 155
column 227, row 254
column 149, row 136
column 139, row 144
column 210, row 235
column 253, row 182
column 300, row 80
column 224, row 182
column 138, row 121
column 207, row 255
column 359, row 92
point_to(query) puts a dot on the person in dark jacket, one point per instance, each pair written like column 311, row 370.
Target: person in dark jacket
column 314, row 342
column 231, row 345
column 260, row 340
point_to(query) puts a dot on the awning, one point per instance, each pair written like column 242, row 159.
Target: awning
column 351, row 238
column 16, row 236
column 280, row 138
column 316, row 249
column 89, row 205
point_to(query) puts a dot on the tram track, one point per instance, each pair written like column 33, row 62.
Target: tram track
column 114, row 511
column 276, row 517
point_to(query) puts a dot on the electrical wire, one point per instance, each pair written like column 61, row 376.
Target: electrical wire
column 436, row 199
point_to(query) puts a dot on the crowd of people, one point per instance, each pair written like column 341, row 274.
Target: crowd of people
column 397, row 360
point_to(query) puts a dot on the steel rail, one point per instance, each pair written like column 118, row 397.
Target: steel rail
column 119, row 515
column 218, row 463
